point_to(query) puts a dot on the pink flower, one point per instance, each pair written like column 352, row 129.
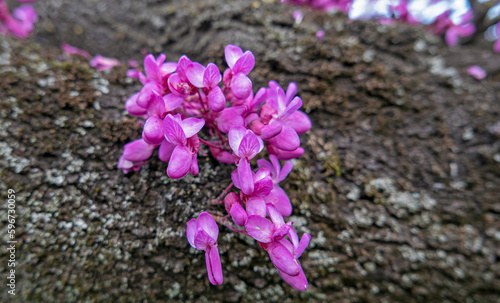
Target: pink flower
column 240, row 65
column 496, row 46
column 70, row 50
column 283, row 203
column 202, row 234
column 245, row 145
column 134, row 155
column 320, row 35
column 456, row 31
column 477, row 72
column 281, row 119
column 20, row 23
column 298, row 16
column 181, row 145
column 103, row 63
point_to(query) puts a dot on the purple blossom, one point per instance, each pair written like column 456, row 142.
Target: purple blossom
column 283, row 254
column 231, row 116
column 298, row 16
column 20, row 22
column 464, row 29
column 72, row 50
column 102, row 63
column 280, row 118
column 202, row 234
column 477, row 72
column 278, row 174
column 181, row 145
column 245, row 145
column 240, row 65
column 134, row 155
column 320, row 35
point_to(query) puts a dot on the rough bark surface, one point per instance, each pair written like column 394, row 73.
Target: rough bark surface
column 399, row 185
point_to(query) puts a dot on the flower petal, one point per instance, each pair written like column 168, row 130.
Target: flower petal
column 208, row 224
column 304, row 242
column 291, row 91
column 287, row 139
column 192, row 126
column 194, row 74
column 216, row 99
column 180, row 162
column 299, row 121
column 230, row 117
column 137, row 151
column 282, row 231
column 194, row 169
column 263, row 183
column 156, row 106
column 168, row 68
column 165, row 151
column 232, row 54
column 173, row 130
column 244, row 64
column 283, row 259
column 275, row 215
column 238, row 214
column 259, row 228
column 285, row 170
column 241, row 86
column 236, row 134
column 202, row 239
column 231, row 199
column 152, row 132
column 212, row 76
column 292, row 107
column 283, row 205
column 132, row 107
column 172, row 102
column 147, row 93
column 250, row 145
column 299, row 282
column 215, row 266
column 271, row 130
column 245, row 177
column 256, row 207
column 182, row 66
column 190, row 231
column 151, row 68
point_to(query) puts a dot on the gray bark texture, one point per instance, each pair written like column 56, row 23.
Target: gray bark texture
column 399, row 185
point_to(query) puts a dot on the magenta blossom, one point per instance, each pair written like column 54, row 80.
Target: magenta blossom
column 280, row 118
column 181, row 145
column 278, row 174
column 134, row 155
column 240, row 65
column 202, row 234
column 245, row 145
column 20, row 23
column 102, row 63
column 477, row 72
column 320, row 35
column 72, row 50
column 283, row 254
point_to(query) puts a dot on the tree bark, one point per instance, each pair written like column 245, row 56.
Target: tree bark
column 398, row 185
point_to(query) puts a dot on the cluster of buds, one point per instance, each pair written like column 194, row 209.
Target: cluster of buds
column 20, row 22
column 185, row 105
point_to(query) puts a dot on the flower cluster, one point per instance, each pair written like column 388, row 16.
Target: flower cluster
column 20, row 22
column 451, row 18
column 184, row 105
